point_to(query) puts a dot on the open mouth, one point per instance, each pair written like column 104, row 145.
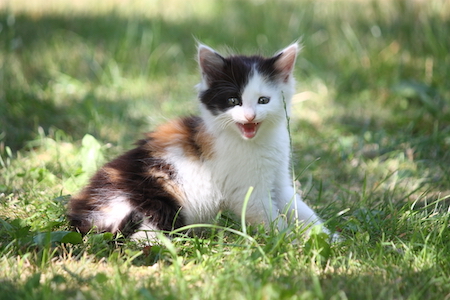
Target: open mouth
column 248, row 130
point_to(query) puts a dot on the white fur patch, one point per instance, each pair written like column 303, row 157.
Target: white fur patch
column 202, row 199
column 111, row 216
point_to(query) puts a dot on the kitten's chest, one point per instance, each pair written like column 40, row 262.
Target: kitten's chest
column 237, row 166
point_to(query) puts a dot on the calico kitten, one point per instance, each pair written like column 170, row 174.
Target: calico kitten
column 189, row 169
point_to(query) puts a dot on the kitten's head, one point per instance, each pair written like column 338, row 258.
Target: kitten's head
column 247, row 95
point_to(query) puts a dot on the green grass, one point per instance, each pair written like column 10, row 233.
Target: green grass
column 370, row 129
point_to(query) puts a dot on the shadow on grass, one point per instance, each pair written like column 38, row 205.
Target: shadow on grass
column 422, row 284
column 26, row 113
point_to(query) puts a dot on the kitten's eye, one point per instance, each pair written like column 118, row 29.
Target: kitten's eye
column 233, row 101
column 263, row 100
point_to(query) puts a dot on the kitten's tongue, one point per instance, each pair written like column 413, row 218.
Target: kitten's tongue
column 248, row 130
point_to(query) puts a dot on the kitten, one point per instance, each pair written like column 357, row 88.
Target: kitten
column 188, row 170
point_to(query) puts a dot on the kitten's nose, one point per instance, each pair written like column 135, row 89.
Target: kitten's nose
column 250, row 116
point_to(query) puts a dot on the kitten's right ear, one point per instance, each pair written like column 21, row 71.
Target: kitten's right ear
column 211, row 63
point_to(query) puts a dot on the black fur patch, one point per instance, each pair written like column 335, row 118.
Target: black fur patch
column 193, row 125
column 232, row 79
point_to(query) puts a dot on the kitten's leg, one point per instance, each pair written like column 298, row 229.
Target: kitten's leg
column 270, row 211
column 291, row 203
column 261, row 209
column 297, row 210
column 302, row 212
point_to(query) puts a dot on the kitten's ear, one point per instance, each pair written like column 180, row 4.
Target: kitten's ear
column 285, row 61
column 211, row 63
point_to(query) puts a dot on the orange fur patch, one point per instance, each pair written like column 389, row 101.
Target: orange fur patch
column 113, row 175
column 167, row 184
column 187, row 133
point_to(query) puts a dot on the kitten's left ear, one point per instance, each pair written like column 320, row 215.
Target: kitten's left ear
column 285, row 61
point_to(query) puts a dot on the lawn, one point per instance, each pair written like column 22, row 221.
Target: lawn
column 80, row 81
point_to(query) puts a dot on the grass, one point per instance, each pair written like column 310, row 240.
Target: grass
column 79, row 82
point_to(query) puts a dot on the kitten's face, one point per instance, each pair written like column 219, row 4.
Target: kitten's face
column 245, row 94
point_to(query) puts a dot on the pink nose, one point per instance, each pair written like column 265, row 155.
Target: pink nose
column 250, row 116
